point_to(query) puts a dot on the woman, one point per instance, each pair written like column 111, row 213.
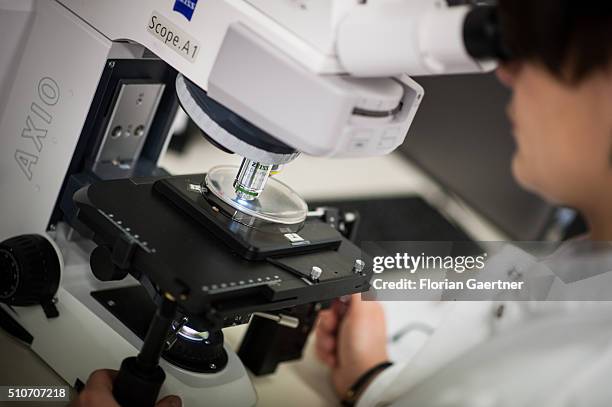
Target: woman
column 561, row 110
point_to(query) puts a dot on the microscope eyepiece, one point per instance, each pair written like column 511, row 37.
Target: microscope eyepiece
column 482, row 34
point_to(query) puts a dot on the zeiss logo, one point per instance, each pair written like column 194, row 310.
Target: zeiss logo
column 185, row 7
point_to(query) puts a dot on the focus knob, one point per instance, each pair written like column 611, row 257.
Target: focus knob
column 198, row 354
column 29, row 272
column 102, row 266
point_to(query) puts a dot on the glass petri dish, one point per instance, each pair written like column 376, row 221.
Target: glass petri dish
column 278, row 203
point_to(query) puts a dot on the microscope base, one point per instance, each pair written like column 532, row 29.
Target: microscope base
column 86, row 337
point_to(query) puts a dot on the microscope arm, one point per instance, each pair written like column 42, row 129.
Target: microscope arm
column 325, row 60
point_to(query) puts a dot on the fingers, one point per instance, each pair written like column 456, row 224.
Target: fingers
column 362, row 316
column 340, row 306
column 326, row 342
column 325, row 335
column 328, row 321
column 328, row 326
column 325, row 347
column 328, row 358
column 169, row 401
column 356, row 306
column 98, row 391
column 102, row 380
column 330, row 318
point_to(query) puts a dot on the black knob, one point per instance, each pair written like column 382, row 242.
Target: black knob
column 29, row 272
column 203, row 355
column 103, row 267
column 135, row 386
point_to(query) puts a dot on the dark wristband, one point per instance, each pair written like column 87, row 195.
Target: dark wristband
column 357, row 388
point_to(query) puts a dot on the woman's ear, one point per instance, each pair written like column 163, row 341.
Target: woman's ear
column 610, row 110
column 507, row 72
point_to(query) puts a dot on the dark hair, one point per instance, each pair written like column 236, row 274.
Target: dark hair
column 572, row 38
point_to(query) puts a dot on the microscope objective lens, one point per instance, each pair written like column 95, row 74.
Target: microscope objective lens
column 279, row 204
column 251, row 179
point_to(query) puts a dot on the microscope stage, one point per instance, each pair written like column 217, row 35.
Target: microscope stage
column 258, row 241
column 181, row 252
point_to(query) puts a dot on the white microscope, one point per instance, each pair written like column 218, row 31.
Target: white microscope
column 89, row 90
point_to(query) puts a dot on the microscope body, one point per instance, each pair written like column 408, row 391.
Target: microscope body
column 61, row 79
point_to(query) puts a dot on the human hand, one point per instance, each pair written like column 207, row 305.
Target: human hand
column 351, row 339
column 98, row 392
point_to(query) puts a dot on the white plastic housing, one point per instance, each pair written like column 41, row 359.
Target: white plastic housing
column 48, row 88
column 418, row 37
column 382, row 38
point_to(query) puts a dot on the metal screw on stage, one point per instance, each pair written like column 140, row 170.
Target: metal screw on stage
column 315, row 273
column 359, row 266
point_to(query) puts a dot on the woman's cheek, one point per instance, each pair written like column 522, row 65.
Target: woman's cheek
column 535, row 173
column 520, row 171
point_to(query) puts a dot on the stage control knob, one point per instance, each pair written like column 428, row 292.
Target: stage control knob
column 29, row 272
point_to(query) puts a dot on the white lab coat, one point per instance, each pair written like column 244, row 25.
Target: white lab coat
column 497, row 354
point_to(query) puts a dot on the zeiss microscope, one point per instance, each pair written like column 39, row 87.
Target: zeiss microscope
column 106, row 256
